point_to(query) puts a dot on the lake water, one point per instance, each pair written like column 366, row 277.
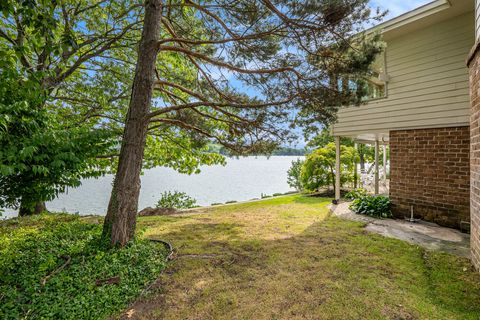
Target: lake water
column 241, row 179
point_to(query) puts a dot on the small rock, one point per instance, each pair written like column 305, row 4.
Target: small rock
column 130, row 313
column 149, row 211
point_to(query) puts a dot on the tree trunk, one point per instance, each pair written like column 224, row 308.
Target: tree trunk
column 26, row 210
column 120, row 220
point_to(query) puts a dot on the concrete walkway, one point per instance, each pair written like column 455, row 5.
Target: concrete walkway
column 428, row 235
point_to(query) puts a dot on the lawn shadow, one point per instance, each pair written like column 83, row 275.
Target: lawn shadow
column 333, row 269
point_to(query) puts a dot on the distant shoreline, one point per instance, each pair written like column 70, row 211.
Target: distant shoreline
column 282, row 151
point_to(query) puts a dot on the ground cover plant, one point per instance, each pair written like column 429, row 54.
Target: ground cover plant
column 287, row 258
column 56, row 267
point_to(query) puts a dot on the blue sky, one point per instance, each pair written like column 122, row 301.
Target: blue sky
column 397, row 7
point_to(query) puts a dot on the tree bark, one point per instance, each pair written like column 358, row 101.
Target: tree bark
column 120, row 220
column 26, row 210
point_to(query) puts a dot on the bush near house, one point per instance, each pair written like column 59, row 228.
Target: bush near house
column 374, row 206
column 356, row 194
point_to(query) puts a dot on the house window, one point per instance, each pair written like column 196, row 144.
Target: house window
column 377, row 83
column 375, row 88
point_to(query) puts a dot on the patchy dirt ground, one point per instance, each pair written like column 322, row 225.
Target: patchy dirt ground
column 286, row 258
column 428, row 235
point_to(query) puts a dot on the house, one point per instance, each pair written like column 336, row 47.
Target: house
column 473, row 62
column 419, row 105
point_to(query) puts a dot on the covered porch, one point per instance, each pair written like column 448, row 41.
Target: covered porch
column 373, row 176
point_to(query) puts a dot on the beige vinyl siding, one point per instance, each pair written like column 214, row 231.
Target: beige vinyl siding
column 428, row 84
column 477, row 19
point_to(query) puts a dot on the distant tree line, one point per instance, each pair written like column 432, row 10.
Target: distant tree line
column 280, row 151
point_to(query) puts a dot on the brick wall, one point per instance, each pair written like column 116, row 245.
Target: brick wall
column 429, row 169
column 475, row 157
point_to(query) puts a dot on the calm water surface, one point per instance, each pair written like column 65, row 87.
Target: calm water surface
column 241, row 179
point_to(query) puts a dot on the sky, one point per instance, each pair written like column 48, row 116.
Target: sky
column 397, row 7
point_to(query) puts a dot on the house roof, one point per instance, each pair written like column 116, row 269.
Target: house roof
column 424, row 16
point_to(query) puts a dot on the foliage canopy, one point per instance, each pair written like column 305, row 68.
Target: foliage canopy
column 39, row 158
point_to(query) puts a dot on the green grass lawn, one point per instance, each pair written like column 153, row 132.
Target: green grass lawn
column 281, row 258
column 285, row 258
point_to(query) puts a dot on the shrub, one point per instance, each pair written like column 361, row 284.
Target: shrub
column 231, row 201
column 293, row 175
column 34, row 285
column 356, row 194
column 177, row 200
column 277, row 194
column 374, row 206
column 216, row 204
column 318, row 170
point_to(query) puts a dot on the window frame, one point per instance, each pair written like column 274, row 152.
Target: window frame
column 385, row 82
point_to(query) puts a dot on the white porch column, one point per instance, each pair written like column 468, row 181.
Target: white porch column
column 337, row 168
column 355, row 173
column 384, row 163
column 376, row 167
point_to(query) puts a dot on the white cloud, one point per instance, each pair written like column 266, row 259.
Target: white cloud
column 397, row 7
